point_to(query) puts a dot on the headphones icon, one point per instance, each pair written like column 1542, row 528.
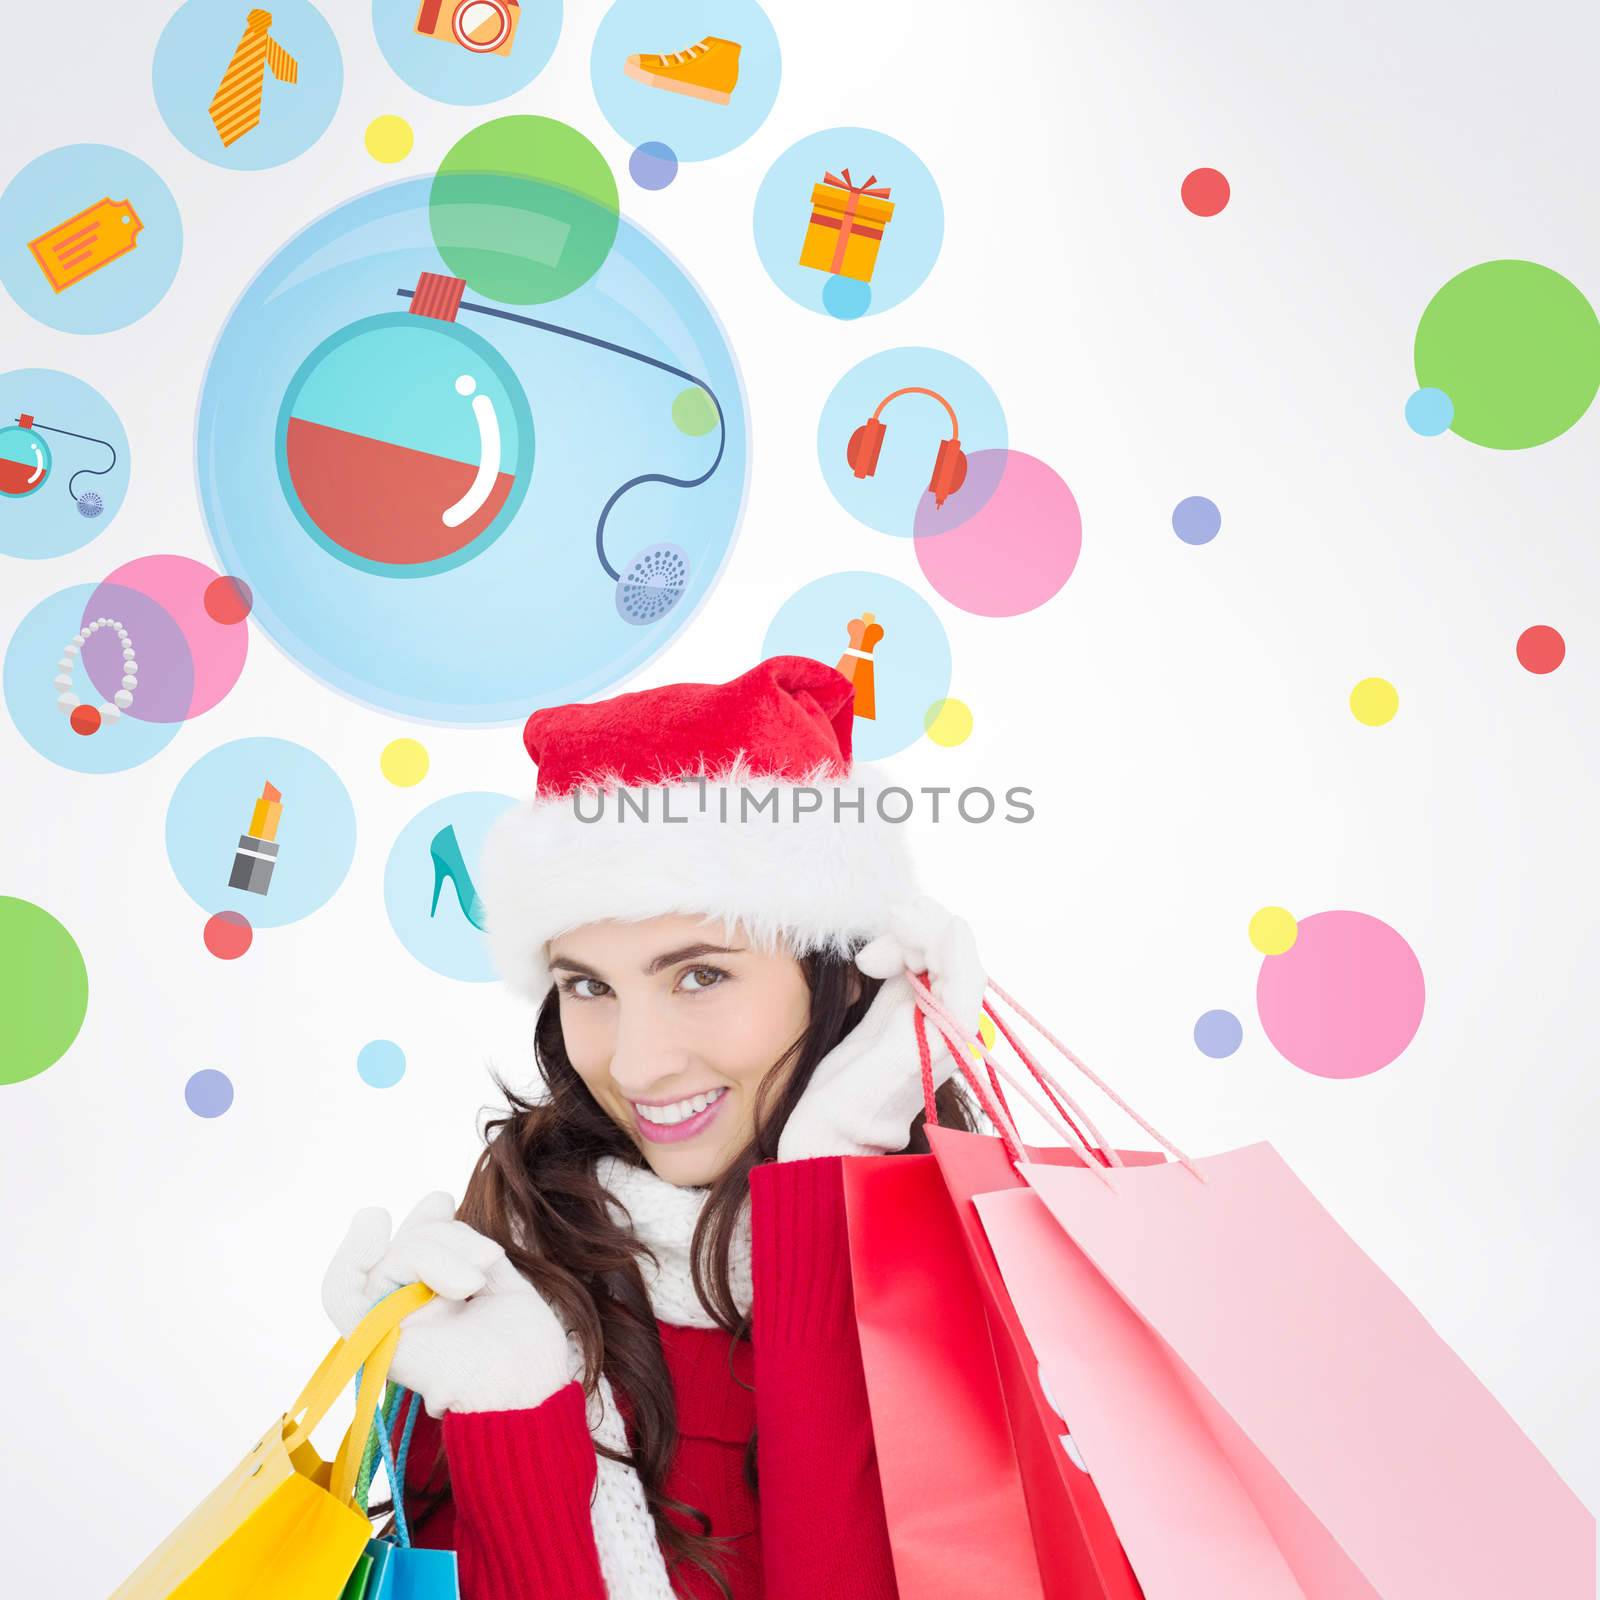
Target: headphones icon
column 949, row 466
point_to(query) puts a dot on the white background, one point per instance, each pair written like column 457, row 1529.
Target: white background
column 1181, row 713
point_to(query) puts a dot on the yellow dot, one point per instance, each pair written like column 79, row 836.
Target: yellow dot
column 404, row 762
column 948, row 722
column 1374, row 701
column 1273, row 930
column 389, row 138
column 986, row 1033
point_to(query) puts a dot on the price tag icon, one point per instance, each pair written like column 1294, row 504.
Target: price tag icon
column 94, row 238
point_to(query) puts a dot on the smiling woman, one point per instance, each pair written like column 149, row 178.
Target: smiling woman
column 723, row 1015
column 673, row 1048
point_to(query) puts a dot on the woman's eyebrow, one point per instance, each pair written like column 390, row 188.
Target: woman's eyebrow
column 667, row 959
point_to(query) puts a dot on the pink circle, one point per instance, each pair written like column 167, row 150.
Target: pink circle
column 228, row 935
column 1016, row 550
column 216, row 649
column 1345, row 999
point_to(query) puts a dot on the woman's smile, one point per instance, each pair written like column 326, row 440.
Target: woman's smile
column 682, row 1119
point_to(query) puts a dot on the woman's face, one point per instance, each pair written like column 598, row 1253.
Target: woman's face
column 673, row 1023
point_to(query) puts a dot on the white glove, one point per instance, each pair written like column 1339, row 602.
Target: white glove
column 867, row 1090
column 486, row 1342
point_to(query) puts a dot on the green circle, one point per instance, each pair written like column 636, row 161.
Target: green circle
column 523, row 208
column 44, row 990
column 693, row 413
column 1517, row 349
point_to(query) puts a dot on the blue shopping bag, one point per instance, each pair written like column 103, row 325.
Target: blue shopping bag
column 399, row 1570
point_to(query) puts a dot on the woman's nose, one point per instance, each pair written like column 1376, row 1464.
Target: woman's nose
column 646, row 1059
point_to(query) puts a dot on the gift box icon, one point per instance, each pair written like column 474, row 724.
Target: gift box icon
column 846, row 227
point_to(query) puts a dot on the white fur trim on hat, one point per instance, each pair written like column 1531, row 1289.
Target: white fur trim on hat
column 809, row 882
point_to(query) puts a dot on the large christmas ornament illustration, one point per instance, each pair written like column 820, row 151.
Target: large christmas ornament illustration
column 405, row 442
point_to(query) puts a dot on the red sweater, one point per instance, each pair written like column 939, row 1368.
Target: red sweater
column 518, row 1518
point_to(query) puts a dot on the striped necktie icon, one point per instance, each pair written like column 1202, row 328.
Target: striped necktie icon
column 236, row 106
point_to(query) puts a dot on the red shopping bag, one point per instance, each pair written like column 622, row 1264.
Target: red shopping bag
column 952, row 1492
column 1073, row 1533
column 996, row 1507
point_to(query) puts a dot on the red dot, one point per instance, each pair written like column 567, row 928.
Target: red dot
column 1541, row 649
column 228, row 935
column 85, row 720
column 228, row 600
column 1205, row 191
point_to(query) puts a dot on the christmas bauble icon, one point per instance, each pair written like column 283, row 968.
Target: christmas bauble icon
column 26, row 462
column 405, row 442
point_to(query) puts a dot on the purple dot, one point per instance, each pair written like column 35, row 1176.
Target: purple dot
column 1218, row 1034
column 1196, row 520
column 653, row 165
column 208, row 1093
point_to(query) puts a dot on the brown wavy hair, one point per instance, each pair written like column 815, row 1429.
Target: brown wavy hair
column 535, row 1181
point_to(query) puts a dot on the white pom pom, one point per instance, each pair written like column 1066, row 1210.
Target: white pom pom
column 124, row 699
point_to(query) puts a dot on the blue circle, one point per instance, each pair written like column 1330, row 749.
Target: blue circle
column 846, row 298
column 653, row 165
column 532, row 620
column 1196, row 520
column 435, row 65
column 814, row 622
column 209, row 819
column 381, row 1063
column 32, row 659
column 916, row 424
column 47, row 522
column 695, row 129
column 1218, row 1034
column 390, row 379
column 1430, row 412
column 208, row 1093
column 912, row 234
column 431, row 885
column 194, row 52
column 59, row 186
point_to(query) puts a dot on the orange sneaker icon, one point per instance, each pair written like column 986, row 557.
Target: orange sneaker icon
column 706, row 71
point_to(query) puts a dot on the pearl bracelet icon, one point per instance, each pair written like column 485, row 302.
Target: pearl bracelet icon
column 86, row 718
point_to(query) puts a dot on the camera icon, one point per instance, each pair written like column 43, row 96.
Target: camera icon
column 485, row 27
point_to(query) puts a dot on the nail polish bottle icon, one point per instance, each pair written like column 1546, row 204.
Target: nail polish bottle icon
column 258, row 850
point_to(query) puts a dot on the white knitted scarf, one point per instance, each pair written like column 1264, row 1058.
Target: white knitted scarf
column 663, row 1215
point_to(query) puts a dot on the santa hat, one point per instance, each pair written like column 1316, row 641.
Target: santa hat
column 662, row 801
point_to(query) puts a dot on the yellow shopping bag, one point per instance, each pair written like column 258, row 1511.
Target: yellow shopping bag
column 283, row 1525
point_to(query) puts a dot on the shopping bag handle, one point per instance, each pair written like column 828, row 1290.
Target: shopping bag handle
column 371, row 1344
column 1058, row 1119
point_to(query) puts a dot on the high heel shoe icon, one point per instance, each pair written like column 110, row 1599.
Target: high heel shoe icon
column 449, row 863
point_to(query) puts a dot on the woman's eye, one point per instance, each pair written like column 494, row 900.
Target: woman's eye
column 714, row 974
column 571, row 987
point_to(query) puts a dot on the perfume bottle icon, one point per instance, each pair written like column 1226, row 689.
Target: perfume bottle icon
column 448, row 862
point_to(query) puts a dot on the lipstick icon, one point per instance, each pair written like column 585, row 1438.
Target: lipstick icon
column 258, row 850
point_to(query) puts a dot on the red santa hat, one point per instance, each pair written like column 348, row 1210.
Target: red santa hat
column 735, row 801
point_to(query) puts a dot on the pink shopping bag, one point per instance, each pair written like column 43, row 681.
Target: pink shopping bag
column 1367, row 1445
column 1263, row 1412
